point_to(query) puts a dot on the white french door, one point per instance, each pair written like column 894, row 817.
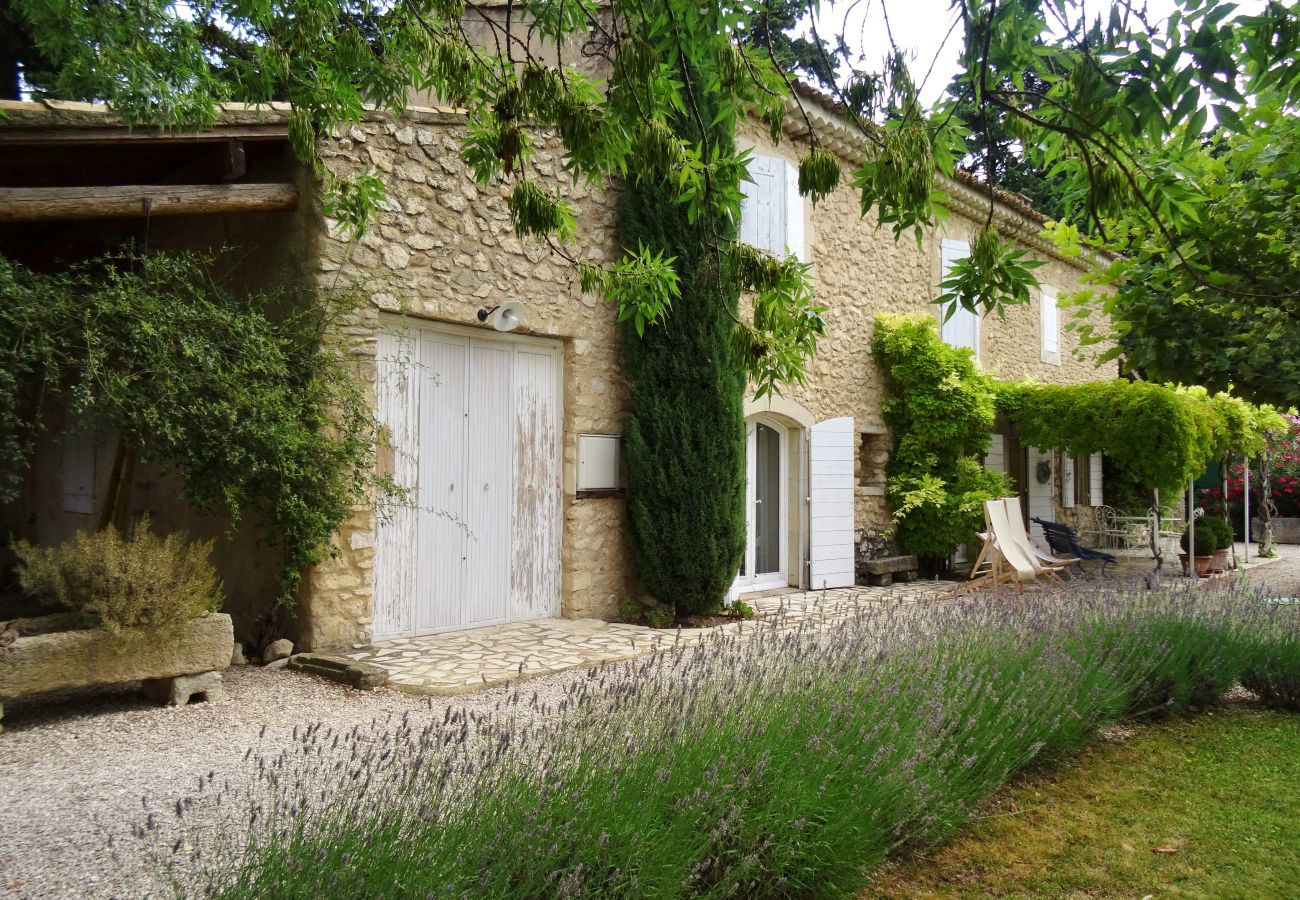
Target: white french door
column 767, row 519
column 474, row 434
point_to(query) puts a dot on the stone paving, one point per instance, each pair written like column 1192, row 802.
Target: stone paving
column 462, row 661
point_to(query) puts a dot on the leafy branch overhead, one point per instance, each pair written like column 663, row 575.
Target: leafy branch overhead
column 1112, row 110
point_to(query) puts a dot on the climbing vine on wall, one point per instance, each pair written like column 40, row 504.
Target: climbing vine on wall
column 940, row 407
column 244, row 397
column 1158, row 435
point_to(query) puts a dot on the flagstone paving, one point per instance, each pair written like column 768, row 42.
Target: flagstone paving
column 463, row 661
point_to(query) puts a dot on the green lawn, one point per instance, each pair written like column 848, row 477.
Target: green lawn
column 1221, row 790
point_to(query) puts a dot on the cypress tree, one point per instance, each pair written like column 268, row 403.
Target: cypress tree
column 684, row 442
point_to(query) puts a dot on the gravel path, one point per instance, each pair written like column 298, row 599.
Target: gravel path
column 73, row 772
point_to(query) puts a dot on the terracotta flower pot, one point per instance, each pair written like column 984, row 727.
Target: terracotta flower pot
column 1204, row 564
column 1219, row 561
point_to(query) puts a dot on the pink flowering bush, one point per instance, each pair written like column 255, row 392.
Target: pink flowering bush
column 1285, row 480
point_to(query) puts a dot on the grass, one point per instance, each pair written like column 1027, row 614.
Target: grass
column 1222, row 790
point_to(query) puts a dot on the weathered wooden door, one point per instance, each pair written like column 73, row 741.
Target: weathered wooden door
column 478, row 540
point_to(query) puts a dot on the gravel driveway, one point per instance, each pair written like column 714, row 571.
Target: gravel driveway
column 73, row 772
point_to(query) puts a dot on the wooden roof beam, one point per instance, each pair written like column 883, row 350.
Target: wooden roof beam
column 14, row 137
column 45, row 204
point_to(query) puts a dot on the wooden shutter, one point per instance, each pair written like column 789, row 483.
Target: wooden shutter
column 794, row 238
column 1095, row 495
column 78, row 472
column 830, row 514
column 962, row 329
column 995, row 459
column 1067, row 481
column 771, row 214
column 1082, row 481
column 1050, row 326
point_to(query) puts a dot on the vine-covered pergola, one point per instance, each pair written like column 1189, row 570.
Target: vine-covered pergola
column 1161, row 435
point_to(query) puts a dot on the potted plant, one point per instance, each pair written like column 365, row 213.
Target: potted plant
column 1203, row 551
column 1221, row 531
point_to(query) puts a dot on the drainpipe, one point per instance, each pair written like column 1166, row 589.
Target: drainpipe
column 1191, row 526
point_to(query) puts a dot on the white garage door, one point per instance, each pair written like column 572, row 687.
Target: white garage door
column 474, row 428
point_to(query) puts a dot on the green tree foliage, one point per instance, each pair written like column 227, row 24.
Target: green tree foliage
column 769, row 27
column 1111, row 90
column 994, row 152
column 940, row 406
column 684, row 438
column 1216, row 301
column 243, row 397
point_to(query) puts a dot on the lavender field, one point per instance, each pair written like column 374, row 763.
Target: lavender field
column 789, row 765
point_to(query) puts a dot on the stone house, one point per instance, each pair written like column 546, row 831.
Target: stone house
column 510, row 440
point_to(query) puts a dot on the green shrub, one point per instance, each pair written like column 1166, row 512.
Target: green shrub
column 1273, row 673
column 1218, row 528
column 744, row 610
column 660, row 616
column 143, row 581
column 1206, row 540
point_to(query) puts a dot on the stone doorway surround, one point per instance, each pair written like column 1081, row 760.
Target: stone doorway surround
column 459, row 662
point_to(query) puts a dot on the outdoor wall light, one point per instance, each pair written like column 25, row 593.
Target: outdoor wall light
column 506, row 317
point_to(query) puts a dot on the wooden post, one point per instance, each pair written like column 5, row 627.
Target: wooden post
column 1245, row 494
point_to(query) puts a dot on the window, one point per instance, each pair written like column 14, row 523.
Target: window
column 771, row 215
column 1050, row 326
column 962, row 329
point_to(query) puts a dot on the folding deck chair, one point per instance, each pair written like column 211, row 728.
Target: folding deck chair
column 1064, row 539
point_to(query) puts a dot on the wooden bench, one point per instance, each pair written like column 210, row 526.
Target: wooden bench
column 883, row 572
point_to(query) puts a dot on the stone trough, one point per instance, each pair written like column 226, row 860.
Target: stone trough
column 884, row 572
column 173, row 667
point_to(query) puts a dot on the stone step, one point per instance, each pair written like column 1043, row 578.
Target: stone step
column 360, row 675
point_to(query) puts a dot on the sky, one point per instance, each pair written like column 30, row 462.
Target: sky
column 924, row 30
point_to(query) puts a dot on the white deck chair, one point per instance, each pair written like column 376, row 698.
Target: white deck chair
column 1044, row 562
column 1020, row 566
column 999, row 562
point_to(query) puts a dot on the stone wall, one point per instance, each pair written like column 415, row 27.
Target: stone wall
column 444, row 247
column 861, row 270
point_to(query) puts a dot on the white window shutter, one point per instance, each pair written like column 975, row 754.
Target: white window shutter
column 830, row 514
column 1094, row 482
column 794, row 239
column 749, row 205
column 1067, row 481
column 1050, row 325
column 763, row 220
column 996, row 459
column 78, row 472
column 962, row 329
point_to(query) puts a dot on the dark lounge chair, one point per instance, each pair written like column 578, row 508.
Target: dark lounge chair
column 1065, row 540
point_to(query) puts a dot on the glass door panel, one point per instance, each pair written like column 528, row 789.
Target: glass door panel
column 767, row 500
